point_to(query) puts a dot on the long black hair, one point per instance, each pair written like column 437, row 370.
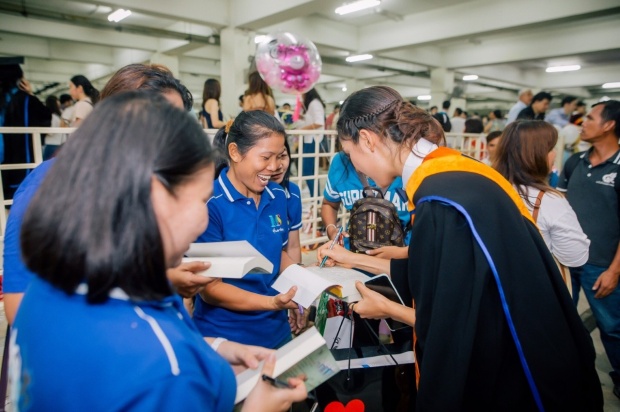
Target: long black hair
column 211, row 90
column 92, row 220
column 311, row 95
column 89, row 89
column 51, row 102
column 287, row 173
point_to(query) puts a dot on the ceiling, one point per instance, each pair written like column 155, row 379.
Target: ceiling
column 420, row 46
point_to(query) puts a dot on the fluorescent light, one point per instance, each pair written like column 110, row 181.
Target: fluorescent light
column 119, row 15
column 344, row 89
column 260, row 38
column 557, row 69
column 470, row 77
column 357, row 6
column 425, row 97
column 359, row 58
column 613, row 85
column 341, row 101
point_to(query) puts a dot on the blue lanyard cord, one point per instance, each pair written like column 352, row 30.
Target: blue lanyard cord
column 511, row 326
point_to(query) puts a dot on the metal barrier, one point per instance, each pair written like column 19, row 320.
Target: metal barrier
column 311, row 234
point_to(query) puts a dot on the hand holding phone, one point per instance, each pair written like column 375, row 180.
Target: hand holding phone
column 370, row 306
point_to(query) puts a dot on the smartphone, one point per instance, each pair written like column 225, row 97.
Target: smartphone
column 383, row 285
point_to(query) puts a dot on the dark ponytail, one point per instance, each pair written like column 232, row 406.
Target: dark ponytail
column 383, row 111
column 221, row 151
column 89, row 89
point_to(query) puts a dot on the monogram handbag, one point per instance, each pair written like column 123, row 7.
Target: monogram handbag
column 374, row 223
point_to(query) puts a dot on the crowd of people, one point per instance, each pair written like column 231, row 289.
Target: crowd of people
column 93, row 268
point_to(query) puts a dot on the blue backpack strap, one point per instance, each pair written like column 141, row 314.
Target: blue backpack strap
column 500, row 288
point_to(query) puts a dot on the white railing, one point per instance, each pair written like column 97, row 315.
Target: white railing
column 470, row 144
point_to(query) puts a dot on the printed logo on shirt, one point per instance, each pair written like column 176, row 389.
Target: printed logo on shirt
column 15, row 369
column 608, row 179
column 276, row 223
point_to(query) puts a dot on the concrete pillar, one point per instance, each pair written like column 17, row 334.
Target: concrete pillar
column 442, row 84
column 236, row 47
column 171, row 62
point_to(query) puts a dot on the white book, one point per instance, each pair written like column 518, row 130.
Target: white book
column 307, row 354
column 312, row 281
column 232, row 260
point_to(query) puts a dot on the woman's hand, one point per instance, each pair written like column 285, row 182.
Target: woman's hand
column 284, row 300
column 25, row 86
column 185, row 279
column 331, row 232
column 242, row 357
column 267, row 398
column 372, row 305
column 296, row 320
column 338, row 255
column 390, row 252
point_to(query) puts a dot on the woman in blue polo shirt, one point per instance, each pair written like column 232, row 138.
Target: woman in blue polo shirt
column 293, row 196
column 344, row 185
column 116, row 335
column 247, row 205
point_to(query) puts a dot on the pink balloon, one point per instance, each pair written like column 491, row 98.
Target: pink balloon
column 288, row 62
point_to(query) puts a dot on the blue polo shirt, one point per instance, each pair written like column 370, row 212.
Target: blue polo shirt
column 293, row 196
column 344, row 186
column 16, row 275
column 233, row 216
column 69, row 355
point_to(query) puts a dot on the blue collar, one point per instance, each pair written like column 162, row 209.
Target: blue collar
column 233, row 194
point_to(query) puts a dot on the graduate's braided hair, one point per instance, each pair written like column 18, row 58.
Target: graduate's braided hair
column 383, row 111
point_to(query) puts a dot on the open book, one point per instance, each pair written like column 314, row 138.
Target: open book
column 312, row 281
column 228, row 259
column 307, row 354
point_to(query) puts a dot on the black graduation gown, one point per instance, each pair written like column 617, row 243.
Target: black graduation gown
column 466, row 354
column 17, row 145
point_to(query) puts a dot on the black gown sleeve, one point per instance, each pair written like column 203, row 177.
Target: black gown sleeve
column 398, row 273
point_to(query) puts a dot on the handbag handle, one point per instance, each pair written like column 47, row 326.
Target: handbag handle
column 536, row 207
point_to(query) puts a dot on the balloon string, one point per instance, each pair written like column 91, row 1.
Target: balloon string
column 297, row 111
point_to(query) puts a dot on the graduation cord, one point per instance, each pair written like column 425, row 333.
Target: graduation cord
column 511, row 326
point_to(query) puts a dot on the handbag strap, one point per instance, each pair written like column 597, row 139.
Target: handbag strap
column 363, row 178
column 537, row 205
column 367, row 187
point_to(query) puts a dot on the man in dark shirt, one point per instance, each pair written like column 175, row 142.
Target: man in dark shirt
column 537, row 109
column 591, row 182
column 443, row 118
column 19, row 108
